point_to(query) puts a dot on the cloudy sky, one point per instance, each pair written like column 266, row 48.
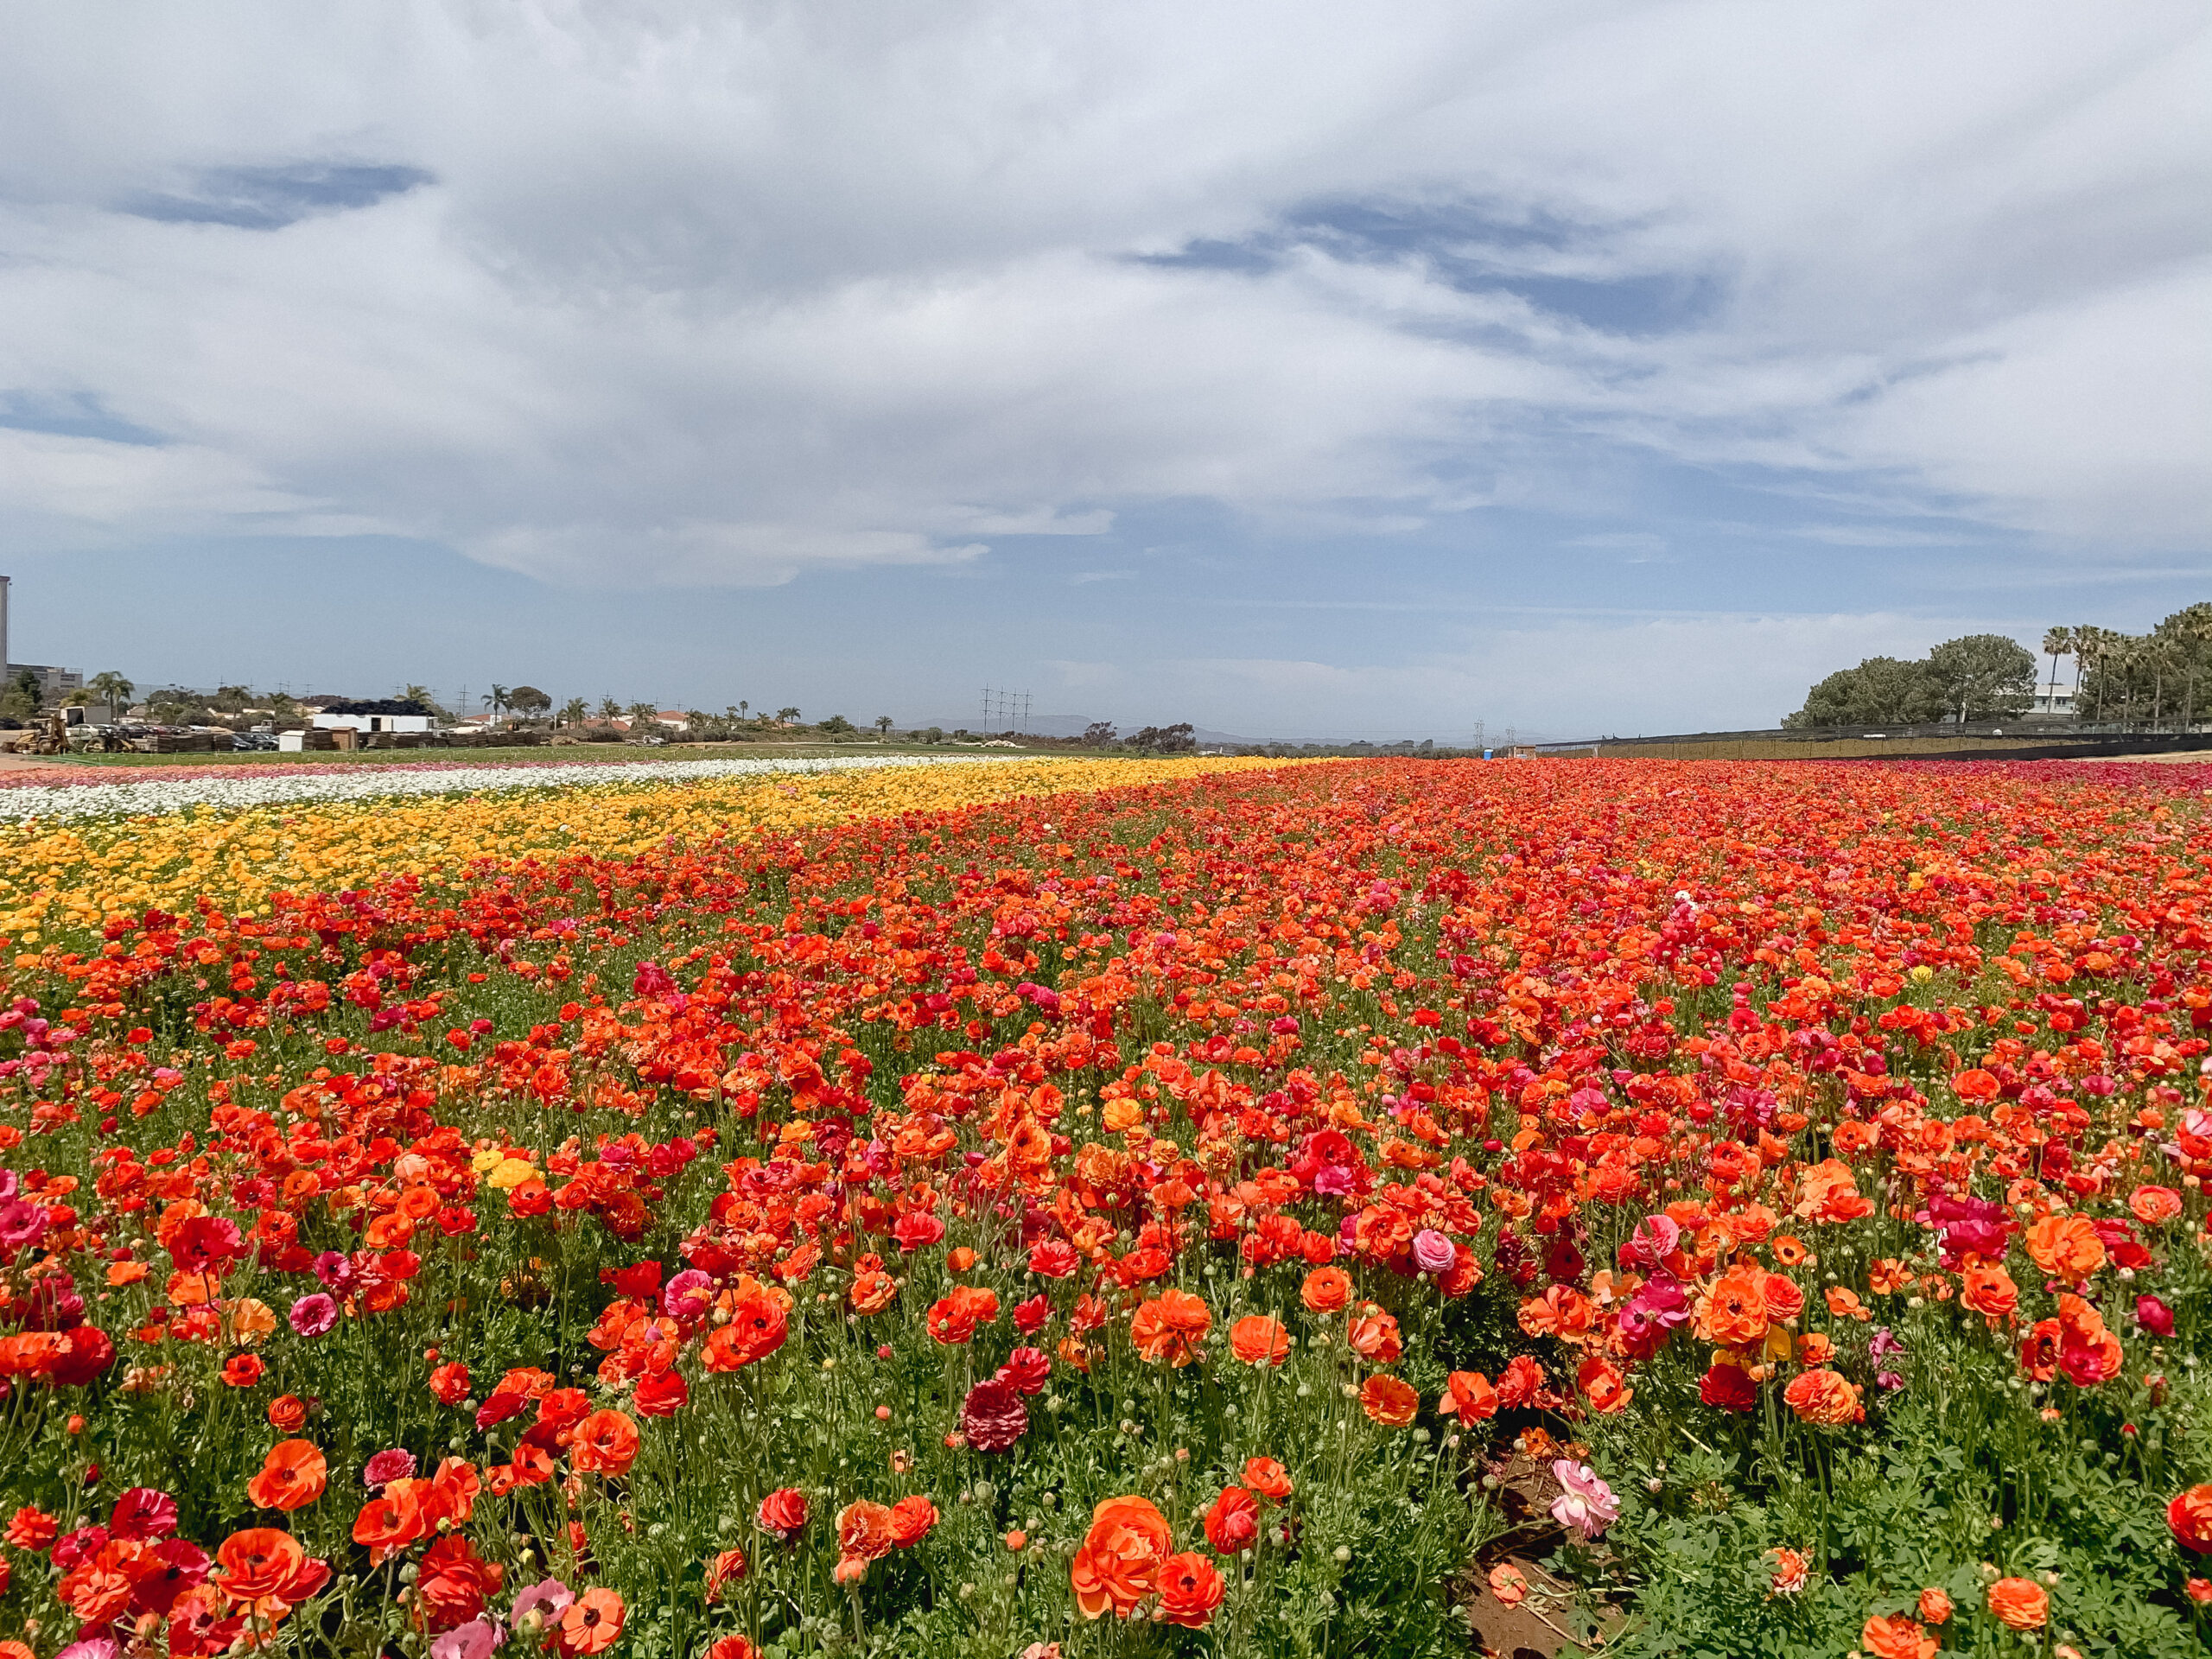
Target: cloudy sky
column 1293, row 369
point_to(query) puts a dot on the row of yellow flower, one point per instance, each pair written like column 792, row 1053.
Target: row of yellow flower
column 61, row 876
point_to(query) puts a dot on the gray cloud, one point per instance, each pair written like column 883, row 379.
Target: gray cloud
column 724, row 293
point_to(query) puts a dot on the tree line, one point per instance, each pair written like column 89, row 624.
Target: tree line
column 2156, row 677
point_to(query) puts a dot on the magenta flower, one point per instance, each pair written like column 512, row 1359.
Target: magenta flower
column 474, row 1640
column 546, row 1600
column 313, row 1315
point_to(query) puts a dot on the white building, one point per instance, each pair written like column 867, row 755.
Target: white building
column 390, row 714
column 2051, row 703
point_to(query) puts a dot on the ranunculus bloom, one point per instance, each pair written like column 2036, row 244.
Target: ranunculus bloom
column 1190, row 1587
column 1169, row 1326
column 910, row 1521
column 2019, row 1603
column 592, row 1625
column 1326, row 1290
column 395, row 1463
column 783, row 1513
column 758, row 1325
column 292, row 1475
column 993, row 1416
column 1585, row 1504
column 1432, row 1251
column 1935, row 1607
column 1387, row 1401
column 1728, row 1388
column 864, row 1535
column 1468, row 1396
column 1025, row 1371
column 1601, row 1379
column 1268, row 1478
column 313, row 1314
column 2154, row 1316
column 141, row 1513
column 1258, row 1339
column 1823, row 1396
column 2154, row 1205
column 478, row 1639
column 1233, row 1523
column 605, row 1443
column 1113, row 1566
column 2065, row 1247
column 2189, row 1515
column 1895, row 1635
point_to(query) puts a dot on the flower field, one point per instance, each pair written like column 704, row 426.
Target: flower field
column 1114, row 1208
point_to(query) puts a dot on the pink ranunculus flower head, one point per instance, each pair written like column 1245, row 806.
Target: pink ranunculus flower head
column 546, row 1600
column 474, row 1640
column 689, row 1295
column 395, row 1463
column 1432, row 1252
column 2154, row 1316
column 1586, row 1505
column 313, row 1315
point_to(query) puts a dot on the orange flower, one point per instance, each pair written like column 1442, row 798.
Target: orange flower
column 292, row 1475
column 1190, row 1587
column 2189, row 1515
column 388, row 1524
column 2019, row 1603
column 1895, row 1635
column 1887, row 1276
column 1268, row 1478
column 1601, row 1379
column 1845, row 1305
column 1114, row 1566
column 1734, row 1313
column 1169, row 1326
column 592, row 1625
column 1326, row 1290
column 1468, row 1396
column 1258, row 1339
column 1375, row 1338
column 606, row 1443
column 864, row 1533
column 1935, row 1607
column 1825, row 1397
column 2065, row 1247
column 258, row 1564
column 1389, row 1401
column 2154, row 1205
column 1989, row 1292
column 758, row 1325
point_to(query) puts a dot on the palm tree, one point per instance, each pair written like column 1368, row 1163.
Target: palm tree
column 2056, row 643
column 496, row 700
column 787, row 715
column 110, row 688
column 573, row 712
column 883, row 728
column 416, row 694
column 643, row 714
column 609, row 708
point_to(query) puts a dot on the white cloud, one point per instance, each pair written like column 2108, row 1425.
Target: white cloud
column 712, row 292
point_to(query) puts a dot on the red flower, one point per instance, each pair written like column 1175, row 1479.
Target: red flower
column 1233, row 1523
column 783, row 1513
column 993, row 1417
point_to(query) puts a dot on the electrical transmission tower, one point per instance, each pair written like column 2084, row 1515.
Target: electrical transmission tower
column 1005, row 711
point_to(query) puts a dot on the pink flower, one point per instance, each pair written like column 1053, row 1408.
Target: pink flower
column 312, row 1315
column 397, row 1463
column 22, row 1225
column 1027, row 1370
column 2154, row 1316
column 547, row 1600
column 144, row 1514
column 474, row 1640
column 689, row 1296
column 1585, row 1504
column 1432, row 1252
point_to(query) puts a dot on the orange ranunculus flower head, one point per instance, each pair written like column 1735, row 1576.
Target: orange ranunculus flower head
column 388, row 1523
column 2019, row 1603
column 258, row 1564
column 1468, row 1396
column 1114, row 1565
column 1190, row 1587
column 1268, row 1478
column 1601, row 1379
column 1935, row 1607
column 1734, row 1312
column 1823, row 1396
column 2189, row 1516
column 1169, row 1327
column 1326, row 1290
column 592, row 1624
column 2065, row 1247
column 1389, row 1401
column 2154, row 1205
column 605, row 1443
column 292, row 1475
column 1895, row 1635
column 1258, row 1339
column 865, row 1532
column 1989, row 1292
